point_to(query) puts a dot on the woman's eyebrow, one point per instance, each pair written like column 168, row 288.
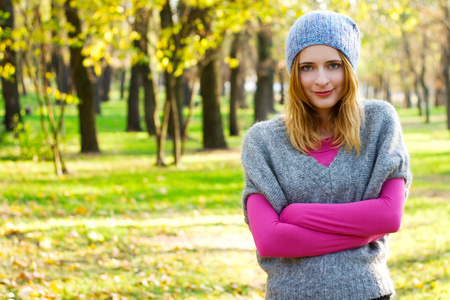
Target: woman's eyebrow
column 334, row 60
column 312, row 63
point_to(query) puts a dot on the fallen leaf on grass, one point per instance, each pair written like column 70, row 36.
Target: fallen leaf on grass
column 8, row 228
column 45, row 242
column 95, row 237
column 418, row 283
column 18, row 262
column 81, row 210
column 25, row 276
column 7, row 282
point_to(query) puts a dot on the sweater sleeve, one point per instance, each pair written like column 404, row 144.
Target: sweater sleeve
column 277, row 239
column 259, row 171
column 364, row 218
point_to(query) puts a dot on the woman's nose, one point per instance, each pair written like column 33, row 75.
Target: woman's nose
column 321, row 77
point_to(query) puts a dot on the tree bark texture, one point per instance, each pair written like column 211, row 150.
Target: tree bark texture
column 264, row 96
column 105, row 83
column 235, row 85
column 281, row 78
column 425, row 89
column 60, row 69
column 406, row 87
column 58, row 64
column 446, row 58
column 150, row 112
column 83, row 85
column 387, row 89
column 413, row 71
column 210, row 90
column 10, row 90
column 141, row 74
column 144, row 72
column 170, row 107
column 122, row 78
column 172, row 99
column 133, row 115
column 178, row 92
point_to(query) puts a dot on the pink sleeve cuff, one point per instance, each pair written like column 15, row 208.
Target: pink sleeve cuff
column 277, row 239
column 364, row 218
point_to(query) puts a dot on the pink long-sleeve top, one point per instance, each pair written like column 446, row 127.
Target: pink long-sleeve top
column 311, row 229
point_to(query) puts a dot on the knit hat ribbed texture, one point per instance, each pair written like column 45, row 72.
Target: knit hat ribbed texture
column 323, row 28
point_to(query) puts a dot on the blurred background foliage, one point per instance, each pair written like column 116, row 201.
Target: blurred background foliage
column 161, row 55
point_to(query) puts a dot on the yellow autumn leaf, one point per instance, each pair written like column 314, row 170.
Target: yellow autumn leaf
column 81, row 210
column 233, row 63
column 57, row 94
column 418, row 283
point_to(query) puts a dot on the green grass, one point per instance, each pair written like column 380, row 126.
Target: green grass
column 118, row 227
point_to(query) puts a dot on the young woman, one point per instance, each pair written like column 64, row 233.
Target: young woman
column 326, row 182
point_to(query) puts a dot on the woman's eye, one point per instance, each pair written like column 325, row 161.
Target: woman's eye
column 335, row 66
column 306, row 68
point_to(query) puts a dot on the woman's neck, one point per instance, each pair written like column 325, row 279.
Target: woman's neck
column 323, row 134
column 324, row 131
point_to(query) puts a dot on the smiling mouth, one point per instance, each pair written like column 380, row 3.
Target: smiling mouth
column 324, row 93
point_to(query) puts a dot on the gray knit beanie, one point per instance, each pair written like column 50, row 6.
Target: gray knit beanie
column 323, row 28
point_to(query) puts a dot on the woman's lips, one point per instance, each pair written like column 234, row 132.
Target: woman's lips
column 324, row 93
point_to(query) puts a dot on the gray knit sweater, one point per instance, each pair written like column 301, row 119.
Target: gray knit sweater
column 274, row 168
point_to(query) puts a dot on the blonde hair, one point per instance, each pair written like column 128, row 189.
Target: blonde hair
column 303, row 122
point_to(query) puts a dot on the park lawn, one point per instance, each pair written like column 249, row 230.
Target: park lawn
column 118, row 227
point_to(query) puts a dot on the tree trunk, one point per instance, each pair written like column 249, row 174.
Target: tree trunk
column 210, row 88
column 387, row 89
column 406, row 88
column 178, row 92
column 438, row 90
column 41, row 82
column 446, row 58
column 10, row 90
column 60, row 69
column 407, row 102
column 96, row 82
column 244, row 65
column 191, row 105
column 105, row 83
column 133, row 116
column 176, row 110
column 422, row 80
column 171, row 106
column 242, row 93
column 265, row 73
column 123, row 74
column 418, row 94
column 58, row 64
column 235, row 85
column 83, row 85
column 151, row 118
column 19, row 74
column 413, row 71
column 143, row 70
column 281, row 77
column 173, row 115
column 161, row 138
column 166, row 22
column 447, row 85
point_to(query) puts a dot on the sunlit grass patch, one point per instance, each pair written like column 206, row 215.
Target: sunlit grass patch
column 186, row 258
column 420, row 255
column 118, row 227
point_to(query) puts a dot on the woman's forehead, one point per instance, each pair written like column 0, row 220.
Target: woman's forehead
column 318, row 53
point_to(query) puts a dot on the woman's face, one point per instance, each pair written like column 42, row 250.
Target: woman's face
column 322, row 77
